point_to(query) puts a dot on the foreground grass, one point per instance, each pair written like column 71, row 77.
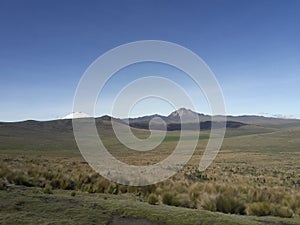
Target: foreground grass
column 31, row 206
column 231, row 187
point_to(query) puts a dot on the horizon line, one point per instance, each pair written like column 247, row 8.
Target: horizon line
column 264, row 115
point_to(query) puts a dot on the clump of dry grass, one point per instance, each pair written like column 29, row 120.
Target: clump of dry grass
column 152, row 199
column 267, row 209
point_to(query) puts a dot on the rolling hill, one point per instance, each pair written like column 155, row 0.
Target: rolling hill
column 58, row 134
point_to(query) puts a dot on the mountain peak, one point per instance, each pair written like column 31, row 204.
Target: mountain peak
column 183, row 114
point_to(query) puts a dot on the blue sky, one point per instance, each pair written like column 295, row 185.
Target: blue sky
column 252, row 47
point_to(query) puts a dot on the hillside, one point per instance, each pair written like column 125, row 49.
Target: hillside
column 187, row 115
column 58, row 134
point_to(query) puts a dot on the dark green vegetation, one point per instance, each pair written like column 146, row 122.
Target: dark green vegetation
column 187, row 126
column 43, row 178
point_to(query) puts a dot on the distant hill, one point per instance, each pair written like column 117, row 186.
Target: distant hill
column 58, row 134
column 186, row 126
column 266, row 121
column 182, row 114
column 187, row 115
column 179, row 119
column 62, row 128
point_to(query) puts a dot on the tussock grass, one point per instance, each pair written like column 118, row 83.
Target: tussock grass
column 241, row 191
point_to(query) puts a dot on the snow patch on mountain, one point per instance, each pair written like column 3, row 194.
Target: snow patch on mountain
column 76, row 115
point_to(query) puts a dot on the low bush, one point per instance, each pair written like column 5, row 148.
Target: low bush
column 209, row 203
column 170, row 199
column 185, row 201
column 230, row 204
column 152, row 199
column 113, row 189
column 48, row 190
column 259, row 209
column 20, row 179
column 194, row 191
column 267, row 209
column 2, row 185
column 283, row 211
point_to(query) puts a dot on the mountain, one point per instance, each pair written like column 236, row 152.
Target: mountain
column 58, row 134
column 183, row 113
column 179, row 119
column 146, row 118
column 187, row 115
column 62, row 127
column 180, row 115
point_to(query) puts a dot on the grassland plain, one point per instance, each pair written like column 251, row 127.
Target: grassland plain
column 256, row 173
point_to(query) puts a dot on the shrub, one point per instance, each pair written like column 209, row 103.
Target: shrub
column 297, row 211
column 48, row 190
column 113, row 189
column 145, row 190
column 209, row 203
column 20, row 179
column 170, row 199
column 259, row 209
column 283, row 211
column 259, row 195
column 2, row 185
column 211, row 188
column 179, row 188
column 100, row 185
column 185, row 201
column 167, row 199
column 266, row 209
column 152, row 199
column 229, row 204
column 194, row 192
column 68, row 184
column 55, row 183
column 88, row 188
column 122, row 188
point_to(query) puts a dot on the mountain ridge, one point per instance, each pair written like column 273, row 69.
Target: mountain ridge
column 174, row 117
column 248, row 119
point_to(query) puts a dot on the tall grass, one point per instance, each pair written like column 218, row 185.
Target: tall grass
column 234, row 194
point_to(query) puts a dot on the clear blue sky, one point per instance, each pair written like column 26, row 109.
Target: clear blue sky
column 253, row 47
